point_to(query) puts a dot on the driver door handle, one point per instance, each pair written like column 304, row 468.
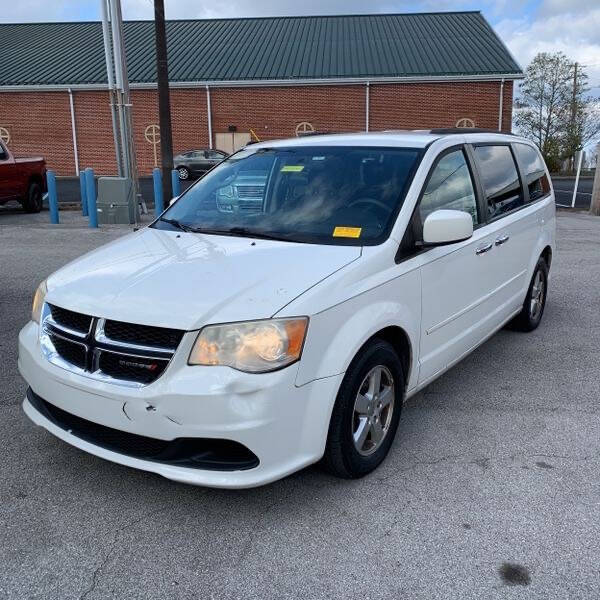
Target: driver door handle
column 502, row 240
column 484, row 249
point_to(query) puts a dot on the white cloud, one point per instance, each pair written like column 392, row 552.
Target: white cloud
column 193, row 9
column 558, row 26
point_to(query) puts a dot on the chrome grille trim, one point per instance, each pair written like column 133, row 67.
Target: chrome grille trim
column 52, row 321
column 62, row 328
column 95, row 343
column 102, row 338
column 250, row 191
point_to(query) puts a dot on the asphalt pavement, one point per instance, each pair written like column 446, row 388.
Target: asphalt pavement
column 563, row 191
column 491, row 489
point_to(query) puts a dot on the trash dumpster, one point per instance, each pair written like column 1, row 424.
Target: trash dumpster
column 116, row 200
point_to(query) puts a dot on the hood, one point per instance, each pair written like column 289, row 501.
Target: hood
column 187, row 280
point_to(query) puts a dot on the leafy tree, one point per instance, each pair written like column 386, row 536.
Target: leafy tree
column 553, row 110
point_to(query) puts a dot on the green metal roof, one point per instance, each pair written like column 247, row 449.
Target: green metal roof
column 265, row 49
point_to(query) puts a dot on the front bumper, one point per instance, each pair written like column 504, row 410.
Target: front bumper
column 285, row 426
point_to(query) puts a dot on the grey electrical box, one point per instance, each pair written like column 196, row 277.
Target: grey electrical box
column 116, row 200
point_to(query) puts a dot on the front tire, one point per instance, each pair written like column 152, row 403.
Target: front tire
column 33, row 201
column 183, row 173
column 535, row 300
column 366, row 412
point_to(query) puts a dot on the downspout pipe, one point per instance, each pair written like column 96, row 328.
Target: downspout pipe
column 367, row 105
column 209, row 118
column 74, row 132
column 501, row 105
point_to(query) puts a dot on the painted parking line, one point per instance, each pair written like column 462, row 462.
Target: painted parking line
column 571, row 192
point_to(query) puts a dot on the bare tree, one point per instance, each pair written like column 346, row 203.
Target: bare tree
column 544, row 96
column 583, row 124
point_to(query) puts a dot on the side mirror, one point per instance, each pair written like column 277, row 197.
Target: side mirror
column 172, row 200
column 447, row 226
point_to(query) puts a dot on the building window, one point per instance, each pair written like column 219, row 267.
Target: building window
column 4, row 135
column 304, row 128
column 465, row 123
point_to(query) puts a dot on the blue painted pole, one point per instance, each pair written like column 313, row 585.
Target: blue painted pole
column 158, row 194
column 52, row 197
column 90, row 185
column 83, row 193
column 175, row 183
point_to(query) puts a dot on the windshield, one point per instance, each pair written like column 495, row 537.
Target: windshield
column 325, row 195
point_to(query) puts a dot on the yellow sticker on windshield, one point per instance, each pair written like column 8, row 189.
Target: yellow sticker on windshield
column 292, row 168
column 349, row 232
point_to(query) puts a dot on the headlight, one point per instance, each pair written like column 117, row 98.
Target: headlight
column 226, row 192
column 38, row 302
column 251, row 346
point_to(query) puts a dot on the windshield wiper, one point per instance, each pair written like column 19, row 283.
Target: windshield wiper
column 245, row 232
column 235, row 231
column 177, row 224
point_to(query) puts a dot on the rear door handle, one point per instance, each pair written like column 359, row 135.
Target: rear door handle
column 484, row 249
column 502, row 240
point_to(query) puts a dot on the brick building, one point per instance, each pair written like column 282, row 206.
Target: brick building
column 271, row 76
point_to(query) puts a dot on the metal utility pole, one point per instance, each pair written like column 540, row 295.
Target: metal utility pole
column 573, row 111
column 111, row 84
column 122, row 100
column 164, row 102
column 595, row 203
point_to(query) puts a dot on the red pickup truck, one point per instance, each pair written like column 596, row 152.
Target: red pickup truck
column 22, row 179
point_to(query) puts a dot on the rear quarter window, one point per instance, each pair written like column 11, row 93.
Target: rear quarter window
column 533, row 166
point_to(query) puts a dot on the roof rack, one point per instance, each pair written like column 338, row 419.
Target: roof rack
column 463, row 130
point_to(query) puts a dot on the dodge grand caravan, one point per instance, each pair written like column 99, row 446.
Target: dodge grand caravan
column 229, row 347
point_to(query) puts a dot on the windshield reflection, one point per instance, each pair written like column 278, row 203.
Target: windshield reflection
column 331, row 195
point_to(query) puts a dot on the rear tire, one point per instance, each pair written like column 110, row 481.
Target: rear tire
column 33, row 201
column 366, row 412
column 535, row 300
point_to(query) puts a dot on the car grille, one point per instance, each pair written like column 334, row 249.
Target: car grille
column 253, row 205
column 198, row 453
column 110, row 350
column 250, row 191
column 70, row 319
column 143, row 334
column 131, row 368
column 72, row 352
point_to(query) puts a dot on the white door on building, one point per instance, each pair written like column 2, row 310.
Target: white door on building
column 230, row 142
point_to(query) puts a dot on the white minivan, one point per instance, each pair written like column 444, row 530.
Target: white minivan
column 243, row 336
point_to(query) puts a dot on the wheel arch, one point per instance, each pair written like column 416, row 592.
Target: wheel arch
column 39, row 180
column 399, row 339
column 547, row 255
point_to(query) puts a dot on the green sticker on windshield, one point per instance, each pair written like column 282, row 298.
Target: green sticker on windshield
column 292, row 168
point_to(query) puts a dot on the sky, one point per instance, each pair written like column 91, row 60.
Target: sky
column 526, row 26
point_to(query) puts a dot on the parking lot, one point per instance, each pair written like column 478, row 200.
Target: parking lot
column 491, row 489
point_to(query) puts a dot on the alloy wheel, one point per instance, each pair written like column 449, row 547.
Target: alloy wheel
column 537, row 296
column 373, row 409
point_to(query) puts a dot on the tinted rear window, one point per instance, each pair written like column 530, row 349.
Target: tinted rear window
column 500, row 179
column 535, row 171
